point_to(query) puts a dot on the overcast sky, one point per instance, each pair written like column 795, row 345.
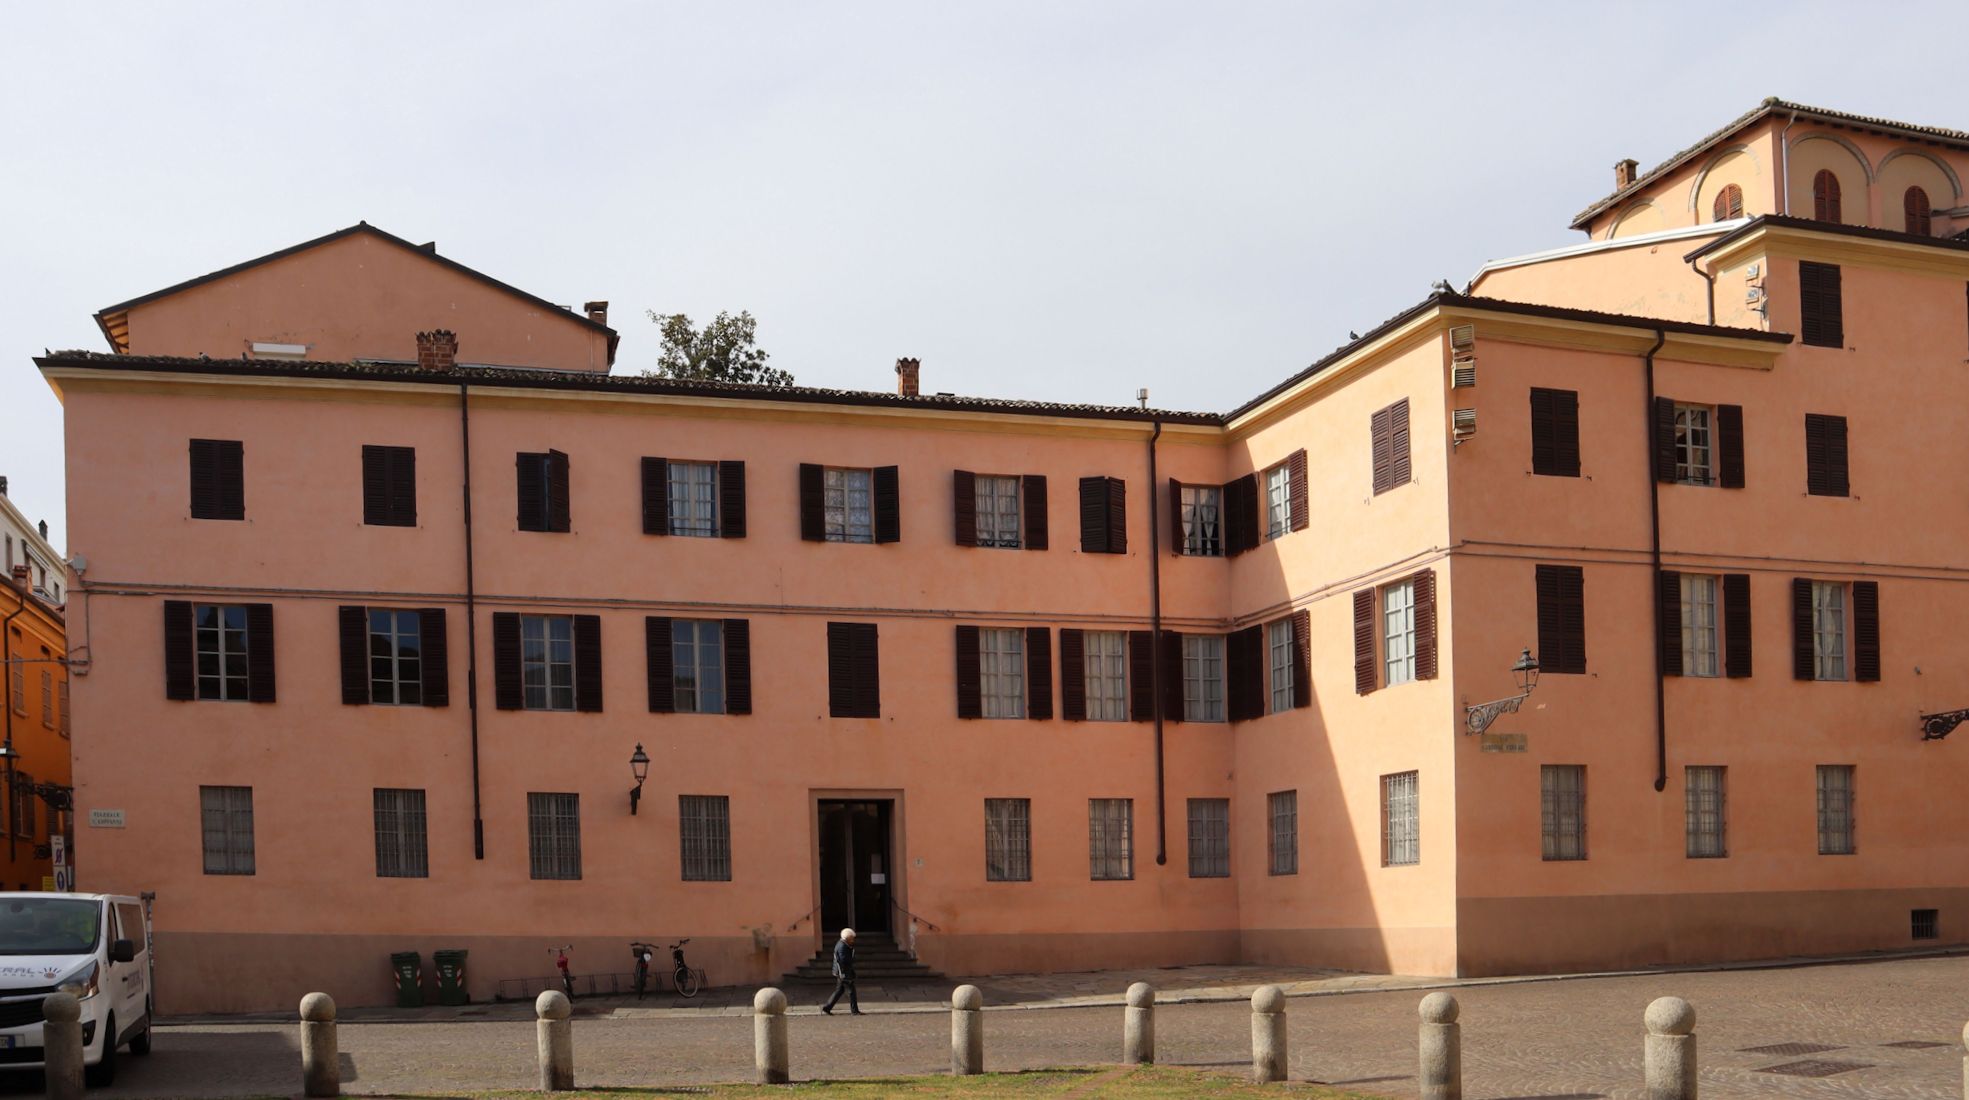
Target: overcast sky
column 1060, row 201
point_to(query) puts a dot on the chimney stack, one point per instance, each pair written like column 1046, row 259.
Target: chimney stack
column 20, row 575
column 597, row 312
column 909, row 376
column 1626, row 172
column 3, row 485
column 437, row 349
column 44, row 530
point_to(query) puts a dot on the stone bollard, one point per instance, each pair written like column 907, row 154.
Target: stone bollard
column 1441, row 1043
column 321, row 1060
column 61, row 1038
column 1138, row 1027
column 1671, row 1049
column 1268, row 1060
column 769, row 1036
column 556, row 1035
column 966, row 1031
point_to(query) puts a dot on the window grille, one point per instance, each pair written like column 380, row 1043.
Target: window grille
column 220, row 635
column 401, row 850
column 1563, row 813
column 1279, row 640
column 1829, row 630
column 1001, row 653
column 1210, row 838
column 1699, row 652
column 1836, row 810
column 1008, row 840
column 547, row 661
column 1398, row 632
column 694, row 498
column 1106, row 668
column 705, row 828
column 1401, row 837
column 228, row 825
column 1203, row 677
column 998, row 511
column 1278, row 501
column 1284, row 846
column 697, row 656
column 47, row 698
column 1926, row 924
column 846, row 507
column 395, row 657
column 553, row 835
column 1692, row 445
column 1203, row 527
column 1707, row 824
column 1110, row 838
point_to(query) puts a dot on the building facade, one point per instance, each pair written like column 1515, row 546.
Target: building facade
column 34, row 744
column 375, row 637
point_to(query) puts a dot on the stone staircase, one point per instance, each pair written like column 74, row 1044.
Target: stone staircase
column 877, row 960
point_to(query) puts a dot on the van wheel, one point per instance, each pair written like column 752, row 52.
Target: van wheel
column 103, row 1073
column 140, row 1042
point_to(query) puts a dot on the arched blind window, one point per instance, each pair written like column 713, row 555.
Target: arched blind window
column 1729, row 203
column 1825, row 196
column 1916, row 205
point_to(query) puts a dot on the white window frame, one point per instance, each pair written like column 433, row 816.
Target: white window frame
column 704, row 837
column 226, row 818
column 1282, row 812
column 229, row 646
column 1278, row 642
column 1398, row 633
column 1401, row 819
column 1701, row 625
column 553, row 835
column 1203, row 520
column 1838, row 827
column 1105, row 671
column 1829, row 630
column 1706, row 795
column 1008, row 839
column 1002, row 671
column 1210, row 837
column 402, row 679
column 547, row 662
column 1562, row 816
column 1111, row 839
column 1695, row 444
column 402, row 841
column 692, row 491
column 1203, row 677
column 996, row 503
column 697, row 666
column 1278, row 501
column 848, row 503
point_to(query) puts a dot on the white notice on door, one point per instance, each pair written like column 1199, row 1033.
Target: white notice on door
column 878, row 879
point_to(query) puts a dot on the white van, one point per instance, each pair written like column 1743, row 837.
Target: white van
column 95, row 946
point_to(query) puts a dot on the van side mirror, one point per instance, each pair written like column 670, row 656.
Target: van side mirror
column 122, row 951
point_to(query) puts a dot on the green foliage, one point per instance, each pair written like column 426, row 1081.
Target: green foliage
column 722, row 351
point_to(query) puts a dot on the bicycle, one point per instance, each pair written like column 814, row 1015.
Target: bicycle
column 686, row 979
column 560, row 960
column 643, row 953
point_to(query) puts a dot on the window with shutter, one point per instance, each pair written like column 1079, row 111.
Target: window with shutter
column 1736, row 625
column 1366, row 677
column 1073, row 675
column 731, row 499
column 1825, row 196
column 1002, row 673
column 1142, row 675
column 888, row 504
column 389, row 486
column 218, row 479
column 1919, row 219
column 848, row 508
column 1388, row 428
column 1281, row 663
column 1820, row 305
column 853, row 671
column 508, row 691
column 1037, row 526
column 222, row 642
column 1825, row 456
column 691, row 498
column 542, row 491
column 1561, row 618
column 1697, row 650
column 396, row 654
column 588, row 663
column 1200, row 519
column 1866, row 631
column 738, row 666
column 996, row 511
column 1554, row 432
column 436, row 657
column 1203, row 677
column 1398, row 632
column 546, row 660
column 697, row 666
column 1039, row 673
column 1729, row 203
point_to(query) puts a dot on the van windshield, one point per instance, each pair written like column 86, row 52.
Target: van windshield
column 49, row 926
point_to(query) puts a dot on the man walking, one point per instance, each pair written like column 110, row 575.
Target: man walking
column 844, row 974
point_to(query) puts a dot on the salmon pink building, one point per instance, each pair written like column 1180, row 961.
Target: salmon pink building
column 390, row 580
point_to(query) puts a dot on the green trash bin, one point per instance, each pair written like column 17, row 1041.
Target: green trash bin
column 407, row 969
column 451, row 977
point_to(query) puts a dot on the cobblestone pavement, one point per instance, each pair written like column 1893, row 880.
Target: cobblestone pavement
column 1547, row 1040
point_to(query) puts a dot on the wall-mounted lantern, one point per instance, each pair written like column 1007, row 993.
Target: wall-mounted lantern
column 639, row 767
column 1478, row 718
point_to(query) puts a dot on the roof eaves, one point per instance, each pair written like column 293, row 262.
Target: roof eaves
column 1866, row 232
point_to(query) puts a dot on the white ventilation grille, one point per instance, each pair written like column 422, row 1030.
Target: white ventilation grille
column 1463, row 376
column 1465, row 422
column 1463, row 341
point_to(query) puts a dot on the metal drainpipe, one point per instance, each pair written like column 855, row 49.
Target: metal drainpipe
column 1155, row 652
column 1710, row 278
column 7, row 703
column 1784, row 166
column 1654, row 580
column 471, row 625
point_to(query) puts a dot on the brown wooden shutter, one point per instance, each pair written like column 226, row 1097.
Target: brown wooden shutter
column 1039, row 672
column 180, row 645
column 731, row 509
column 1736, row 625
column 1554, row 433
column 354, row 627
column 588, row 663
column 868, row 672
column 1298, row 493
column 840, row 669
column 1094, row 515
column 1302, row 659
column 1914, row 206
column 1175, row 516
column 389, row 486
column 1037, row 530
column 964, row 506
column 1171, row 657
column 1821, row 307
column 1729, row 446
column 1230, row 515
column 1664, row 436
column 1825, row 196
column 1244, row 673
column 1365, row 674
column 558, row 505
column 1380, row 430
column 507, row 692
column 813, row 503
column 1804, row 647
column 434, row 664
column 1866, row 631
column 888, row 504
column 738, row 666
column 1073, row 675
column 218, row 479
column 1561, row 618
column 658, row 643
column 1241, row 517
column 1668, row 621
column 970, row 674
column 1141, row 675
column 1398, row 442
column 1118, row 515
column 259, row 653
column 656, row 496
column 530, row 473
column 1825, row 456
column 1425, row 624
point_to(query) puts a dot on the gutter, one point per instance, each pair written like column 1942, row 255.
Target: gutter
column 1654, row 544
column 471, row 621
column 1155, row 655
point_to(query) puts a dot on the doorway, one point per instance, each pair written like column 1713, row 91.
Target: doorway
column 855, row 864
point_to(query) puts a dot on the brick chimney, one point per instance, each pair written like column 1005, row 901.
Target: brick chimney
column 437, row 349
column 44, row 530
column 3, row 485
column 909, row 376
column 20, row 575
column 1626, row 172
column 597, row 312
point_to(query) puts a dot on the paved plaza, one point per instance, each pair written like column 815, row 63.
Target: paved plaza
column 1880, row 1029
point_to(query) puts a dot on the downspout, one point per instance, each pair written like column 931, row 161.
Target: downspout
column 1155, row 651
column 1707, row 277
column 471, row 624
column 7, row 703
column 1784, row 166
column 1654, row 580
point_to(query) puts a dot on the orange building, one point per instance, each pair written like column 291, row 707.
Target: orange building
column 34, row 778
column 1039, row 686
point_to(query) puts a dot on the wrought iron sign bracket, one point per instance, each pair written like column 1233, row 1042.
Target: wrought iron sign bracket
column 1477, row 719
column 1936, row 726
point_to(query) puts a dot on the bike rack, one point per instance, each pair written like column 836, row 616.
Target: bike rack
column 591, row 985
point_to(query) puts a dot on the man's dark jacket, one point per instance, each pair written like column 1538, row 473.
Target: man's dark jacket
column 844, row 959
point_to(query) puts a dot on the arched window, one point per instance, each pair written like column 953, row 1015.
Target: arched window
column 1916, row 205
column 1729, row 203
column 1825, row 196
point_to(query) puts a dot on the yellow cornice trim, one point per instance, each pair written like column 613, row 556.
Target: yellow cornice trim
column 1792, row 241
